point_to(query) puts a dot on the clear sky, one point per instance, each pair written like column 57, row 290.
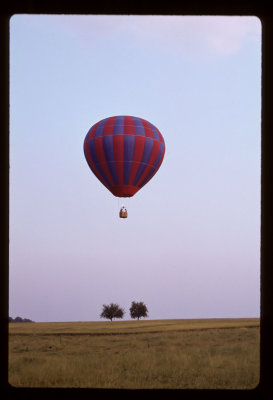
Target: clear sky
column 190, row 247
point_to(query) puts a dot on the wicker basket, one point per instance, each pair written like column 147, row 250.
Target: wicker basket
column 123, row 214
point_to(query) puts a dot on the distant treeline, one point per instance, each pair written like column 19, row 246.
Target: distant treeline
column 19, row 319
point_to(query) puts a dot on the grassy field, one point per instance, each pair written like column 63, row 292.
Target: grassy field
column 173, row 354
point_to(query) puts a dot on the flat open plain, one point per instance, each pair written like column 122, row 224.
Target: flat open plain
column 173, row 354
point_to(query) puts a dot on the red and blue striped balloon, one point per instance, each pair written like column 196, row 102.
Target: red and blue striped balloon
column 124, row 153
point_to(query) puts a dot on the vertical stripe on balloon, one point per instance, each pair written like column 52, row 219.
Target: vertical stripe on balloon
column 109, row 156
column 118, row 147
column 160, row 137
column 139, row 127
column 108, row 126
column 156, row 165
column 91, row 132
column 93, row 162
column 145, row 159
column 148, row 129
column 160, row 155
column 129, row 126
column 129, row 144
column 101, row 157
column 150, row 166
column 119, row 125
column 137, row 157
column 99, row 129
column 155, row 131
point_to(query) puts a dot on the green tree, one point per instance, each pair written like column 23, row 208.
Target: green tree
column 112, row 311
column 138, row 310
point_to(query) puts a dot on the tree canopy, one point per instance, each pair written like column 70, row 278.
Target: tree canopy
column 138, row 310
column 19, row 319
column 112, row 311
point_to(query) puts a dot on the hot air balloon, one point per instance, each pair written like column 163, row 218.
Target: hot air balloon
column 124, row 153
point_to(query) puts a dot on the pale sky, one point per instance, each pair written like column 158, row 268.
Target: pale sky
column 190, row 247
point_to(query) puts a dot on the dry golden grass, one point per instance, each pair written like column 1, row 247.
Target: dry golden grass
column 136, row 354
column 108, row 327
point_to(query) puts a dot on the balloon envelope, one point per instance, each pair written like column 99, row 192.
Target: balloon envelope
column 124, row 153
